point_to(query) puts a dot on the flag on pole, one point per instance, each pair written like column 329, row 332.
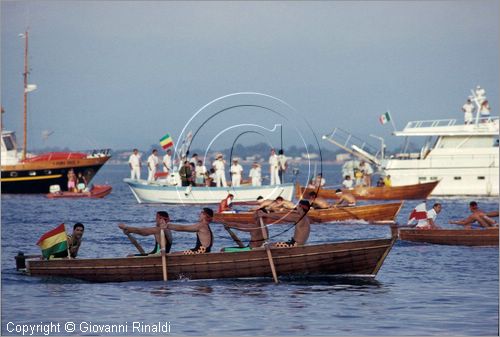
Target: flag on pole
column 418, row 213
column 54, row 241
column 166, row 141
column 385, row 118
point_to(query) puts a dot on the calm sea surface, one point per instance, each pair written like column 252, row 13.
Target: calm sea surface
column 422, row 289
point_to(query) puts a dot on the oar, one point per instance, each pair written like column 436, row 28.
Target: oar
column 234, row 236
column 268, row 250
column 135, row 243
column 163, row 255
column 351, row 213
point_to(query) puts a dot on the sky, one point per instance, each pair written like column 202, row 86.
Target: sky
column 122, row 74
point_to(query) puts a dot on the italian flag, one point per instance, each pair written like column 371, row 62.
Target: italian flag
column 54, row 241
column 385, row 118
column 166, row 141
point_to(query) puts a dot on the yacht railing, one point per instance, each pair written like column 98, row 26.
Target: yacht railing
column 445, row 122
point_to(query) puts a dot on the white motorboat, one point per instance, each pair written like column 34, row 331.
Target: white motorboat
column 162, row 192
column 464, row 157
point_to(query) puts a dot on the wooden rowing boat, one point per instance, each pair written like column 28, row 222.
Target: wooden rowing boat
column 459, row 237
column 377, row 212
column 98, row 191
column 406, row 192
column 362, row 258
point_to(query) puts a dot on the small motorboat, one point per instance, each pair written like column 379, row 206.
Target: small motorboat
column 97, row 191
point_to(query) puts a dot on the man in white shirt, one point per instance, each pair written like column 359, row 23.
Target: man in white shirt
column 430, row 223
column 468, row 109
column 348, row 182
column 152, row 165
column 220, row 173
column 367, row 172
column 167, row 161
column 273, row 168
column 283, row 165
column 134, row 161
column 256, row 174
column 200, row 171
column 236, row 172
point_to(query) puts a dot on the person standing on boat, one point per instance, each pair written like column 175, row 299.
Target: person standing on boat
column 134, row 161
column 81, row 182
column 220, row 173
column 71, row 181
column 477, row 216
column 485, row 111
column 167, row 161
column 236, row 171
column 186, row 174
column 367, row 173
column 152, row 165
column 255, row 174
column 194, row 158
column 274, row 168
column 430, row 221
column 204, row 235
column 162, row 219
column 200, row 172
column 468, row 109
column 283, row 165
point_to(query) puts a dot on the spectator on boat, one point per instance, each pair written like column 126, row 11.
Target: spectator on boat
column 167, row 161
column 299, row 217
column 358, row 177
column 345, row 199
column 194, row 158
column 255, row 174
column 81, row 182
column 317, row 202
column 347, row 183
column 380, row 182
column 480, row 95
column 220, row 173
column 204, row 236
column 71, row 180
column 236, row 171
column 274, row 168
column 485, row 111
column 201, row 172
column 226, row 205
column 282, row 165
column 483, row 219
column 152, row 165
column 317, row 182
column 468, row 109
column 186, row 174
column 367, row 173
column 280, row 205
column 210, row 178
column 162, row 219
column 430, row 221
column 74, row 242
column 134, row 162
column 387, row 181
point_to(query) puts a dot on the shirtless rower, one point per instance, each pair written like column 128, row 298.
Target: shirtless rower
column 317, row 202
column 280, row 204
column 345, row 199
column 162, row 219
column 204, row 236
column 256, row 235
column 478, row 215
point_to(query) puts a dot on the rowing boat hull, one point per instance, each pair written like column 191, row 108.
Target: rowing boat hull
column 378, row 212
column 459, row 237
column 98, row 191
column 407, row 192
column 157, row 193
column 355, row 258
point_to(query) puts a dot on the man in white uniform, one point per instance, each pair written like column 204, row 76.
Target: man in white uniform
column 367, row 172
column 200, row 171
column 134, row 161
column 236, row 172
column 256, row 174
column 167, row 161
column 273, row 168
column 152, row 165
column 468, row 109
column 430, row 223
column 220, row 173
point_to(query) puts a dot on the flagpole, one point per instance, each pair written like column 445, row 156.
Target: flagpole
column 392, row 121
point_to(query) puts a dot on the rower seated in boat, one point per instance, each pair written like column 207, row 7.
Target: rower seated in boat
column 226, row 205
column 482, row 218
column 430, row 220
column 301, row 220
column 345, row 199
column 162, row 219
column 256, row 236
column 74, row 242
column 317, row 202
column 204, row 236
column 280, row 205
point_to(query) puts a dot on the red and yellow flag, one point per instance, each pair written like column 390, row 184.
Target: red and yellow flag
column 166, row 141
column 54, row 241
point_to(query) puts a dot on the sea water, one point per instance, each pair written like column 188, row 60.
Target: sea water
column 421, row 289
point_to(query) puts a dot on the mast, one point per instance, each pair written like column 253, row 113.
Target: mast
column 25, row 114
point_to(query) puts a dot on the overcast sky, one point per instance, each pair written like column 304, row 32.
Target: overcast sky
column 121, row 74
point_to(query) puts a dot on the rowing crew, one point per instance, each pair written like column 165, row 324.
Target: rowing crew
column 204, row 235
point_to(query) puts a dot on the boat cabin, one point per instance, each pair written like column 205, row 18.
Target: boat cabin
column 9, row 148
